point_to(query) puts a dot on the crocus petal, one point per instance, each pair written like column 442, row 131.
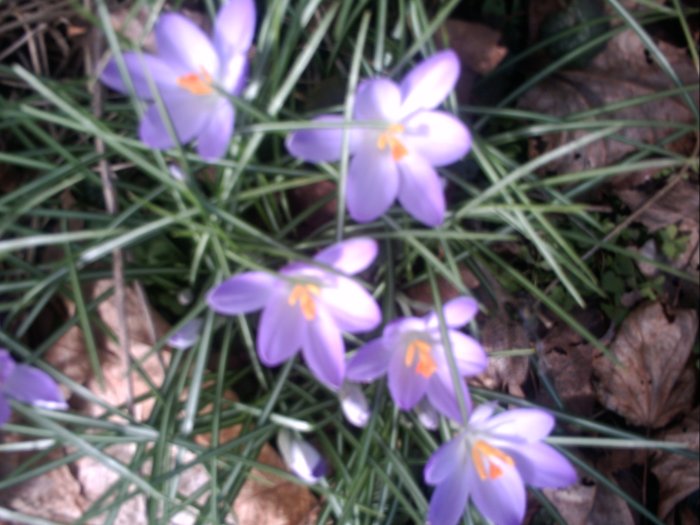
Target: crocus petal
column 469, row 354
column 323, row 144
column 300, row 457
column 427, row 415
column 141, row 67
column 448, row 501
column 501, row 500
column 377, row 99
column 280, row 334
column 324, row 350
column 31, row 385
column 351, row 256
column 186, row 336
column 184, row 47
column 445, row 461
column 354, row 404
column 233, row 73
column 541, row 465
column 187, row 116
column 481, row 413
column 5, row 410
column 372, row 185
column 214, row 137
column 527, row 424
column 443, row 397
column 7, row 366
column 351, row 306
column 456, row 313
column 242, row 293
column 407, row 387
column 420, row 191
column 438, row 137
column 429, row 83
column 370, row 362
column 234, row 27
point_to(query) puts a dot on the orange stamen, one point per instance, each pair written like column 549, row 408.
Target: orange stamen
column 196, row 83
column 389, row 139
column 483, row 455
column 304, row 295
column 426, row 365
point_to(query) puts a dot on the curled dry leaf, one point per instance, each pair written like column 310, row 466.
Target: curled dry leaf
column 63, row 494
column 499, row 333
column 652, row 383
column 567, row 360
column 574, row 503
column 623, row 71
column 678, row 476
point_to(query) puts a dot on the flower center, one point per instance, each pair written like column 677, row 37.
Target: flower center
column 389, row 139
column 484, row 455
column 426, row 364
column 304, row 295
column 196, row 83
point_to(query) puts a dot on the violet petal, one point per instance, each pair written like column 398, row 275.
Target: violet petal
column 322, row 144
column 215, row 135
column 448, row 501
column 242, row 293
column 501, row 499
column 280, row 334
column 351, row 306
column 350, row 256
column 430, row 82
column 369, row 363
column 420, row 191
column 377, row 99
column 234, row 27
column 31, row 385
column 184, row 47
column 372, row 184
column 141, row 67
column 438, row 137
column 542, row 466
column 324, row 350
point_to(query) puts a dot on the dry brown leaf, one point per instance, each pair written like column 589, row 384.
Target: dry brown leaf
column 574, row 503
column 678, row 475
column 567, row 359
column 608, row 507
column 63, row 494
column 498, row 333
column 682, row 203
column 652, row 383
column 621, row 72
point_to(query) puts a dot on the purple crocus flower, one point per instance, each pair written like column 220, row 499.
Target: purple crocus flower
column 489, row 462
column 301, row 457
column 307, row 307
column 399, row 157
column 412, row 354
column 354, row 404
column 188, row 72
column 188, row 335
column 26, row 384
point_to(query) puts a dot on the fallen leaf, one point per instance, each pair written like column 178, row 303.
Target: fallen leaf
column 621, row 72
column 497, row 333
column 574, row 503
column 652, row 383
column 63, row 494
column 567, row 360
column 678, row 475
column 608, row 507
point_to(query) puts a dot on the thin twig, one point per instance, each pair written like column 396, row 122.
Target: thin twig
column 92, row 52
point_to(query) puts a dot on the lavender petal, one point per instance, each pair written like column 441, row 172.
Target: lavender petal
column 448, row 501
column 215, row 135
column 372, row 185
column 350, row 256
column 369, row 363
column 242, row 293
column 438, row 137
column 430, row 82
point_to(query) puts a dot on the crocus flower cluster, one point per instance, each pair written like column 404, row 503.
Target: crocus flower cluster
column 396, row 139
column 193, row 75
column 26, row 384
column 489, row 462
column 398, row 157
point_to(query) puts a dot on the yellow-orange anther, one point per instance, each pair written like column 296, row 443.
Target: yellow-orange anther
column 304, row 295
column 483, row 454
column 389, row 139
column 426, row 364
column 196, row 83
